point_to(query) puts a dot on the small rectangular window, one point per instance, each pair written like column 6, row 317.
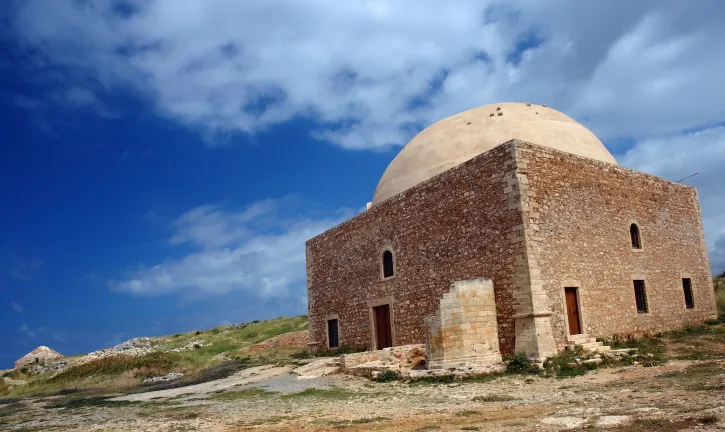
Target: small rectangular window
column 332, row 334
column 640, row 295
column 687, row 288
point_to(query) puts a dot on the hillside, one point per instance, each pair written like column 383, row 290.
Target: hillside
column 719, row 283
column 174, row 360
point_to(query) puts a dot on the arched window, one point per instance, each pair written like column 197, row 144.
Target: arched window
column 388, row 269
column 634, row 234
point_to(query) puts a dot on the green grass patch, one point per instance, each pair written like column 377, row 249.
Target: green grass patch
column 386, row 376
column 651, row 351
column 519, row 363
column 565, row 364
column 154, row 364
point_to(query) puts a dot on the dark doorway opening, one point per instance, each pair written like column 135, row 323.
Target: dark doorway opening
column 333, row 334
column 572, row 311
column 383, row 330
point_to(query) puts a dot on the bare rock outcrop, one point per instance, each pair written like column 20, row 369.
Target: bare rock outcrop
column 42, row 354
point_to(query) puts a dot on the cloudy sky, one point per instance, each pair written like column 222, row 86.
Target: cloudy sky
column 163, row 161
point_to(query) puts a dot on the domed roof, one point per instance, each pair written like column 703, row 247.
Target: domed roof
column 461, row 137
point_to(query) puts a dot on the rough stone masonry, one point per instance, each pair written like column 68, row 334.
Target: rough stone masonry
column 535, row 221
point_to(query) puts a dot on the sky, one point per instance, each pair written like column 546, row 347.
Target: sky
column 162, row 162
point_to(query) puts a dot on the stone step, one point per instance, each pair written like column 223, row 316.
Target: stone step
column 591, row 345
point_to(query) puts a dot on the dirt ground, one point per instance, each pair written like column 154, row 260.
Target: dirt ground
column 682, row 395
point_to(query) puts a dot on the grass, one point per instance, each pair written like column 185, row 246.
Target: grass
column 386, row 376
column 701, row 376
column 10, row 409
column 333, row 393
column 75, row 403
column 493, row 398
column 363, row 420
column 247, row 393
column 225, row 355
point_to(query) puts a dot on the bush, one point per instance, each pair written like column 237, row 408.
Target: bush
column 157, row 363
column 565, row 365
column 519, row 364
column 386, row 376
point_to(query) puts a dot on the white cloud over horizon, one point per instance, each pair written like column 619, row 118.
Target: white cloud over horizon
column 264, row 263
column 677, row 157
column 370, row 74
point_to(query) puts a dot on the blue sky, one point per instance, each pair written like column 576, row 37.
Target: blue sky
column 163, row 162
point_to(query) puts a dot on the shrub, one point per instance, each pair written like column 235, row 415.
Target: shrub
column 154, row 363
column 519, row 364
column 565, row 365
column 386, row 376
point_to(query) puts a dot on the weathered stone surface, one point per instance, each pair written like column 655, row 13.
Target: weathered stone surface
column 172, row 376
column 456, row 226
column 405, row 357
column 463, row 331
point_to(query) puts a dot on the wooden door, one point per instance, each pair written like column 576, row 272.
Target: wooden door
column 572, row 311
column 382, row 327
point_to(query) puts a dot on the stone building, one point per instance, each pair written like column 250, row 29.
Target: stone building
column 509, row 228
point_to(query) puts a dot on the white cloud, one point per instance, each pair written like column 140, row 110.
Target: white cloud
column 372, row 73
column 17, row 307
column 25, row 330
column 679, row 156
column 259, row 251
column 626, row 70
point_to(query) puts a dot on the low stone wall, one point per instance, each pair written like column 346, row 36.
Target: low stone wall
column 403, row 357
column 285, row 341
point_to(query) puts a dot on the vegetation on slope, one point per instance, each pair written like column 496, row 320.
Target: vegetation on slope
column 719, row 283
column 225, row 353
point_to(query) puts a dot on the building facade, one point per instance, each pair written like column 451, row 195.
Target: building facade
column 573, row 243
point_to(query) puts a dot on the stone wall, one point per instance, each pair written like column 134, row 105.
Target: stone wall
column 463, row 331
column 459, row 225
column 578, row 217
column 532, row 220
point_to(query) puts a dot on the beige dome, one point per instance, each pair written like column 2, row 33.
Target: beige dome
column 461, row 137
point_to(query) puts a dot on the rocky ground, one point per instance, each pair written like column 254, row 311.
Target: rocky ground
column 674, row 383
column 685, row 394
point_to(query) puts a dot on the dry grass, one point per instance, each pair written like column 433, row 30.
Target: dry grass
column 225, row 355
